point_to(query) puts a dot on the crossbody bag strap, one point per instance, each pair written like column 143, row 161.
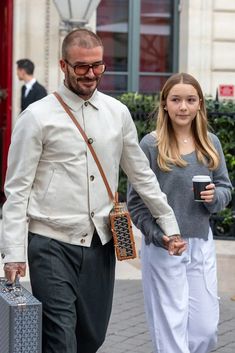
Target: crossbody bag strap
column 71, row 115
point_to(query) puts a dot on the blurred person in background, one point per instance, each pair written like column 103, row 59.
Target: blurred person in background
column 32, row 90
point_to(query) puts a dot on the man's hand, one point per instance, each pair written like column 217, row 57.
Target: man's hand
column 13, row 269
column 174, row 244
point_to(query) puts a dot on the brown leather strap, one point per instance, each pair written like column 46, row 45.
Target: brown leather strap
column 68, row 111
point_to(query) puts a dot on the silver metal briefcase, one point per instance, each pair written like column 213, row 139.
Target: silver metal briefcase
column 20, row 320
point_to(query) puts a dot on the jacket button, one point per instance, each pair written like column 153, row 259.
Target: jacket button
column 86, row 104
column 90, row 140
column 92, row 214
column 2, row 256
column 92, row 177
column 82, row 241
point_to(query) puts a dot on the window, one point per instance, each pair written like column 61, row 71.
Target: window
column 155, row 44
column 112, row 27
column 140, row 42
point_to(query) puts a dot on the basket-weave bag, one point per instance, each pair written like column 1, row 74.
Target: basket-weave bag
column 123, row 236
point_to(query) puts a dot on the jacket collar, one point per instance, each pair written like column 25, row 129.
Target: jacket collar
column 73, row 101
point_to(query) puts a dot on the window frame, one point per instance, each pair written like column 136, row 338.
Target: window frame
column 133, row 74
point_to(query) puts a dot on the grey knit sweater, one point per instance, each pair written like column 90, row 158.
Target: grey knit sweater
column 192, row 217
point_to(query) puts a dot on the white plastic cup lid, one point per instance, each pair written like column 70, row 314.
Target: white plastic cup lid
column 201, row 178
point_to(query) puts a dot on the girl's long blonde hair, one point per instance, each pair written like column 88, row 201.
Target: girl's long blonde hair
column 168, row 150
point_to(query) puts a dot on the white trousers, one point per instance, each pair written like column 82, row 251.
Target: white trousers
column 180, row 295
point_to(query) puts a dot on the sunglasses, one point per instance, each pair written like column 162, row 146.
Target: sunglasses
column 81, row 70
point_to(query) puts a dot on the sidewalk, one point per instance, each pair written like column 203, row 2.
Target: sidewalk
column 128, row 333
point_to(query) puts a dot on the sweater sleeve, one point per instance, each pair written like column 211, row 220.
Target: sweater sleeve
column 143, row 219
column 140, row 214
column 220, row 177
column 136, row 166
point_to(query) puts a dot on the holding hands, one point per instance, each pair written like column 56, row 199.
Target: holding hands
column 174, row 244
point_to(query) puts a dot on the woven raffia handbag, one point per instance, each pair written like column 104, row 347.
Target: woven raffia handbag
column 120, row 220
column 122, row 231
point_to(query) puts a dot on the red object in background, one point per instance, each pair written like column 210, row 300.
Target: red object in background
column 6, row 40
column 226, row 90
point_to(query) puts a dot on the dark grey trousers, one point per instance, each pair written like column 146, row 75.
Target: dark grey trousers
column 75, row 285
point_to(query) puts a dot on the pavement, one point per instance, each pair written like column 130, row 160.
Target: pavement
column 128, row 333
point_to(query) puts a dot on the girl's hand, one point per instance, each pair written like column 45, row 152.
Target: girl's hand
column 208, row 195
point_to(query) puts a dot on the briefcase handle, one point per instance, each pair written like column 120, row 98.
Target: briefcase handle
column 13, row 287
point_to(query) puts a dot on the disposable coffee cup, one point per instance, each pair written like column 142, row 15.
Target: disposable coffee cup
column 199, row 184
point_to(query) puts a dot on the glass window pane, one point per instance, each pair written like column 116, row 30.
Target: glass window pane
column 151, row 84
column 113, row 84
column 156, row 36
column 112, row 27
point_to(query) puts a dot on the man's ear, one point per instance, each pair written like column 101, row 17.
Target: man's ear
column 62, row 65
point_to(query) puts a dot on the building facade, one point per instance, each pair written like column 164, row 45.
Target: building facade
column 145, row 42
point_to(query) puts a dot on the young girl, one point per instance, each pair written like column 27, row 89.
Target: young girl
column 180, row 292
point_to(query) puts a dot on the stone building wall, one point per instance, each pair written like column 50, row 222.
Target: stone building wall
column 206, row 45
column 207, row 42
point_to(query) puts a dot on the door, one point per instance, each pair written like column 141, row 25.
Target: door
column 6, row 39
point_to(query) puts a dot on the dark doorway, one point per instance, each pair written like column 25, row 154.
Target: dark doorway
column 6, row 38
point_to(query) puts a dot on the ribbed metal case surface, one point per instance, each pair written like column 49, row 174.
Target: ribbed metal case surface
column 20, row 320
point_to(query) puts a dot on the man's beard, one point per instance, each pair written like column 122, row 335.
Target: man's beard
column 80, row 91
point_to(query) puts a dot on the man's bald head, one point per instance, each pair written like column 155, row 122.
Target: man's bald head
column 81, row 37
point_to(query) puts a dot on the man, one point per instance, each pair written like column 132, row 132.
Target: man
column 53, row 181
column 32, row 90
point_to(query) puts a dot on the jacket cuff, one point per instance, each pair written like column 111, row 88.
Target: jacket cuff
column 16, row 254
column 169, row 227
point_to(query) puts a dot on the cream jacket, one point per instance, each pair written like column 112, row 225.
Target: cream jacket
column 53, row 185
